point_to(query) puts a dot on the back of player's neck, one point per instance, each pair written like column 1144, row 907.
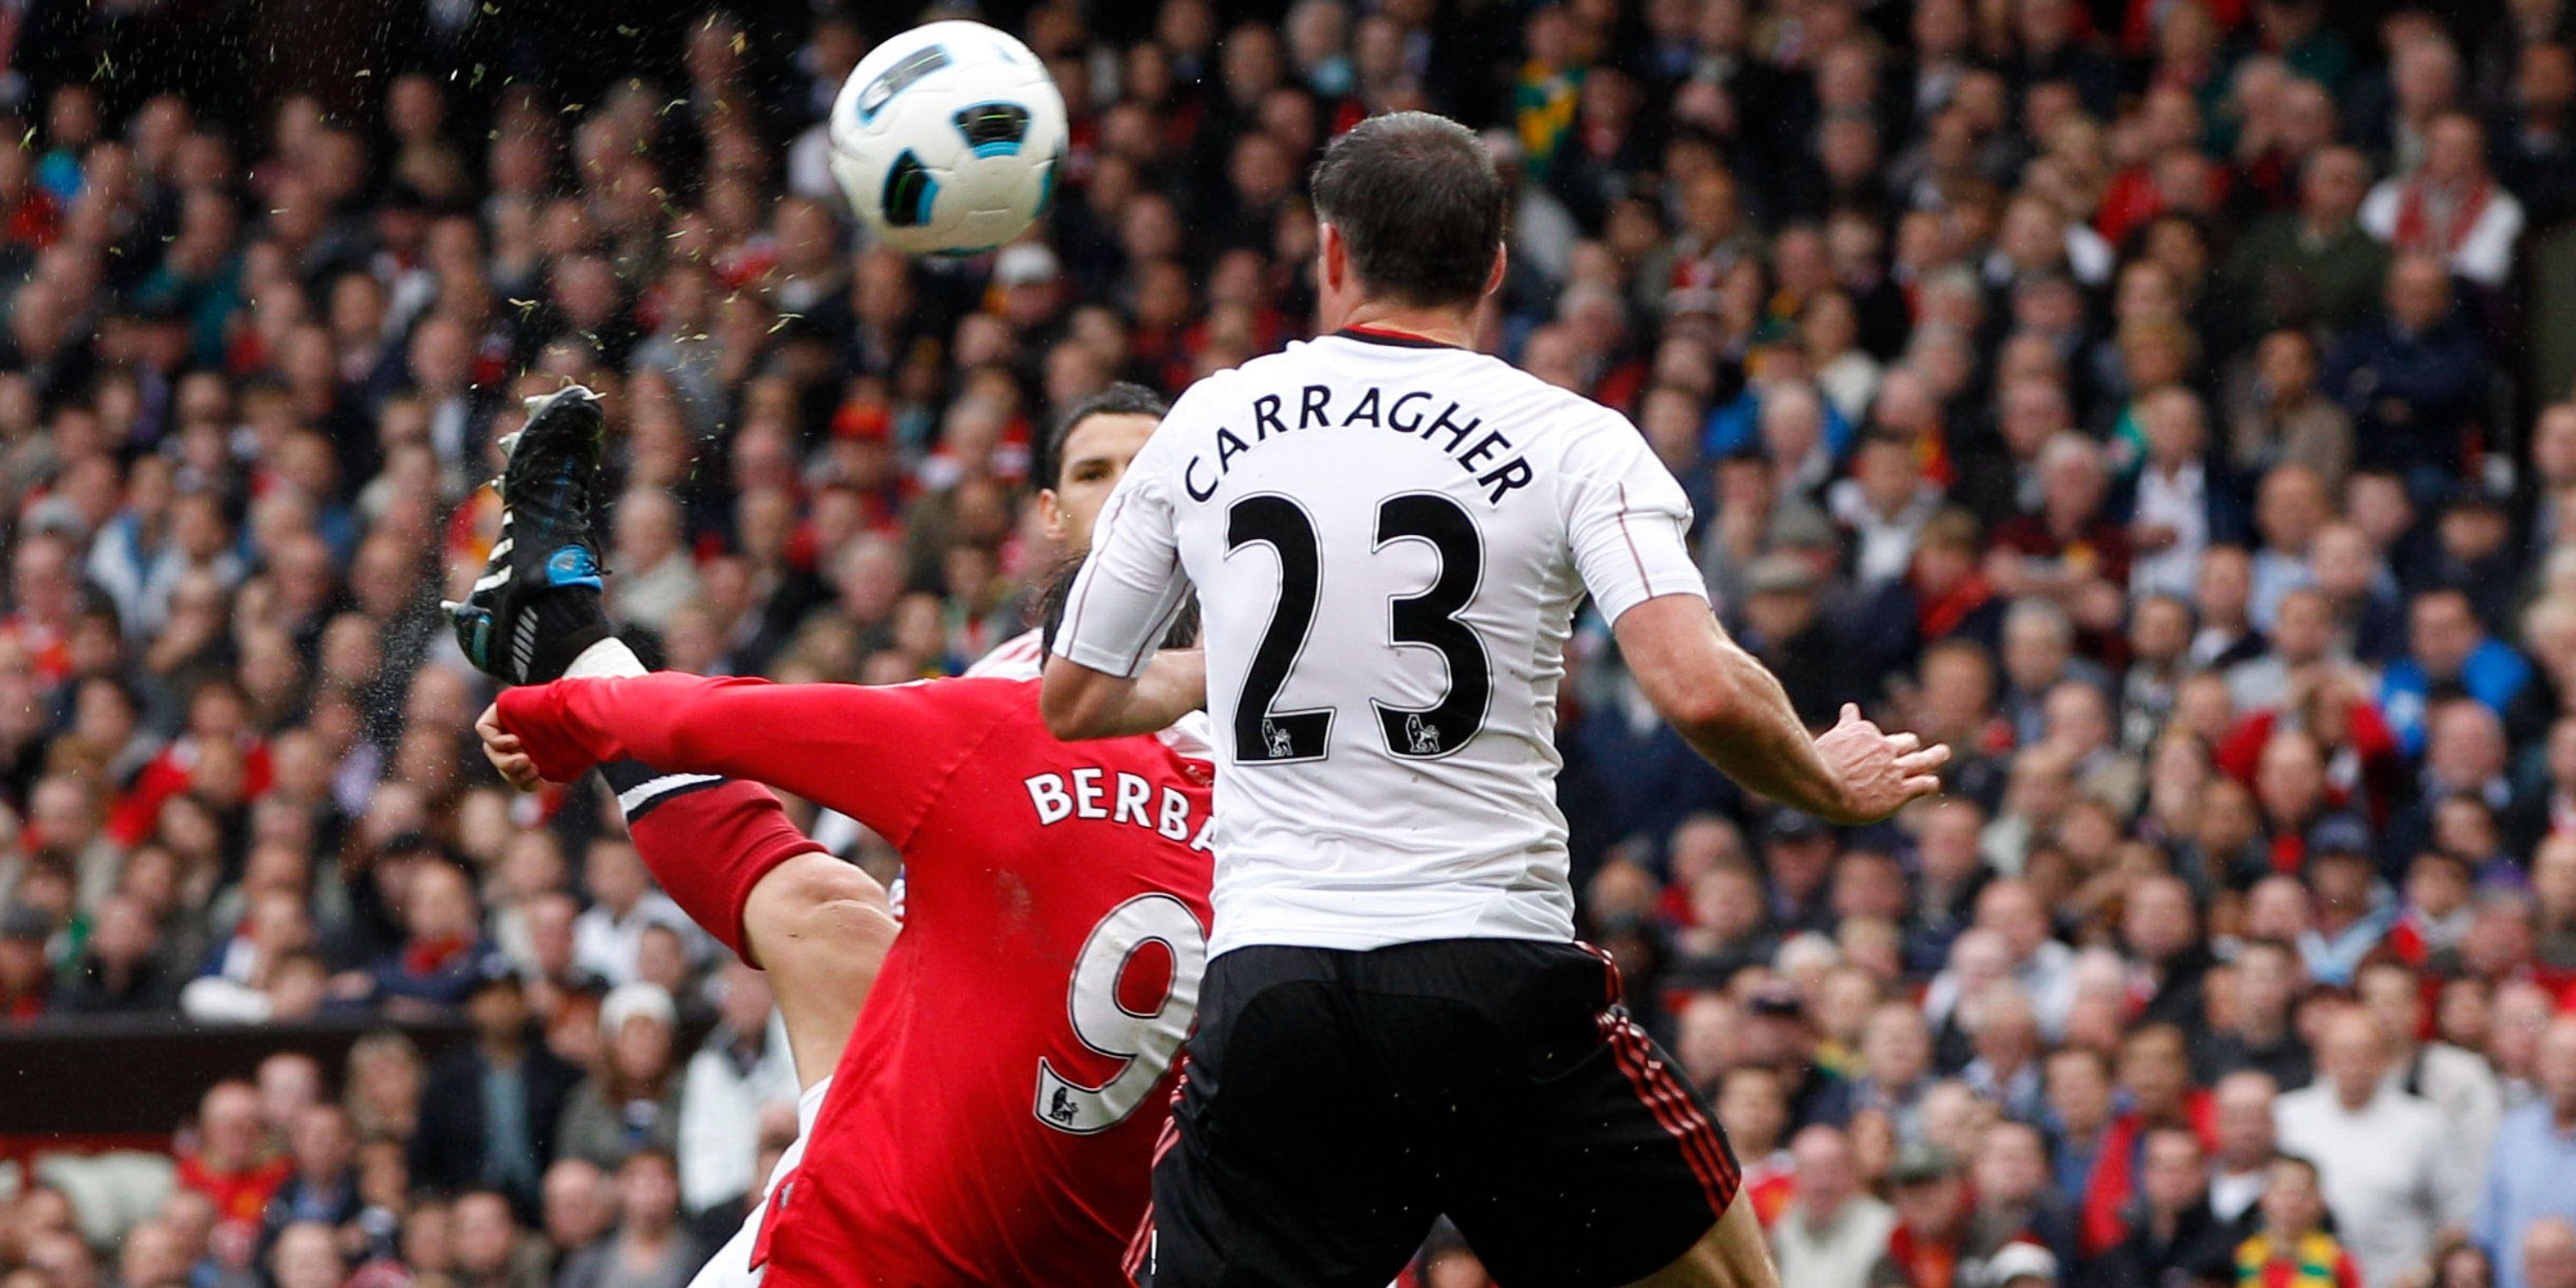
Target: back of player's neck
column 1454, row 327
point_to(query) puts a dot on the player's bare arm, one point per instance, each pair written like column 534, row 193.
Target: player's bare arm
column 1081, row 703
column 1733, row 711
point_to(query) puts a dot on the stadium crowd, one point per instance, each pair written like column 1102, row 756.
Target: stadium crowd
column 2132, row 395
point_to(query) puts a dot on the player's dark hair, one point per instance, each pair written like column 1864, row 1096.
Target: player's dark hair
column 1417, row 200
column 1121, row 398
column 1049, row 610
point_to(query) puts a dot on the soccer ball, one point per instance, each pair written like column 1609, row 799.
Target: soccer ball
column 947, row 139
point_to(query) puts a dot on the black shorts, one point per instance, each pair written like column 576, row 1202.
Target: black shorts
column 1334, row 1103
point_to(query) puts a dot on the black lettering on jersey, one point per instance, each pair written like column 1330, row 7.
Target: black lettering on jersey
column 1510, row 474
column 1452, row 429
column 1366, row 409
column 1415, row 427
column 1457, row 432
column 1310, row 405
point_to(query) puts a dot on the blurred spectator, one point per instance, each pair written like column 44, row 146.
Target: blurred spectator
column 2294, row 1244
column 632, row 1101
column 1833, row 1232
column 647, row 1248
column 2385, row 1157
column 742, row 1066
column 489, row 1111
column 2528, row 1180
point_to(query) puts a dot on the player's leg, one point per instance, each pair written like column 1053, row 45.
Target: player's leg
column 723, row 850
column 1577, row 1156
column 1733, row 1254
column 1284, row 1165
column 727, row 854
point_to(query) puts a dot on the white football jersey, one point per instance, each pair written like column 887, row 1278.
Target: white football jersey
column 1388, row 539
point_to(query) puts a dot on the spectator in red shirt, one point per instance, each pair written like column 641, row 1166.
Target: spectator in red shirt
column 2155, row 1074
column 233, row 1161
column 2069, row 551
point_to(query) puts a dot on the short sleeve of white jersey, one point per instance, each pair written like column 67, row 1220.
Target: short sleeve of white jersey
column 1131, row 584
column 1626, row 520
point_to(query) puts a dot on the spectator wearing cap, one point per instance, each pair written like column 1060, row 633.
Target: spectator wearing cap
column 1779, row 1035
column 1933, row 1244
column 2389, row 1163
column 2531, row 1173
column 1797, row 864
column 2351, row 908
column 1833, row 1231
column 1783, row 624
column 632, row 1101
column 488, row 1110
column 2022, row 1265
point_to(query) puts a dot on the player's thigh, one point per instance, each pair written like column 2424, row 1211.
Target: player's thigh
column 1733, row 1254
column 1591, row 1164
column 1285, row 1163
column 821, row 928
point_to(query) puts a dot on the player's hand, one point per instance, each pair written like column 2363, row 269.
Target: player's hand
column 1880, row 771
column 503, row 750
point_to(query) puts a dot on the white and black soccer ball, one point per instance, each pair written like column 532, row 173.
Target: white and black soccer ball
column 947, row 139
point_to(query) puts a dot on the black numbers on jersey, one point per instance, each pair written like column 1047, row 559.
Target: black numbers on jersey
column 1430, row 620
column 1263, row 736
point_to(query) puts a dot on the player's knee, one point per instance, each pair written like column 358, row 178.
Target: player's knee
column 825, row 901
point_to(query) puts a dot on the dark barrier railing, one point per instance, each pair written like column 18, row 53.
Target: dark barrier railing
column 137, row 1076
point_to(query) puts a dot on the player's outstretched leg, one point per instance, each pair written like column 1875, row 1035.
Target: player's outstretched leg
column 722, row 849
column 1731, row 1255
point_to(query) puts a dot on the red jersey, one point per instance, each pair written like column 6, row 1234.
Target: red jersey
column 994, row 1117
